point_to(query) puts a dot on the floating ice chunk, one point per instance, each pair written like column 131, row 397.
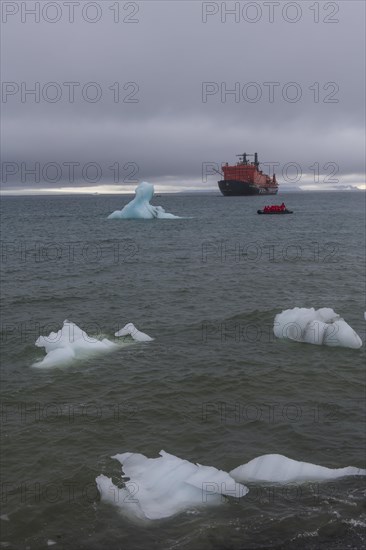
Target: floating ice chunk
column 140, row 206
column 322, row 326
column 341, row 334
column 280, row 469
column 134, row 332
column 162, row 487
column 70, row 343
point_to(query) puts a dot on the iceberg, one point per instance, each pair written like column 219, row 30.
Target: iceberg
column 157, row 488
column 322, row 326
column 70, row 343
column 132, row 331
column 280, row 469
column 140, row 207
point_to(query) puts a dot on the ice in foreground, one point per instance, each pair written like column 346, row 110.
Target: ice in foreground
column 165, row 486
column 157, row 488
column 280, row 469
column 140, row 206
column 321, row 326
column 72, row 343
column 131, row 330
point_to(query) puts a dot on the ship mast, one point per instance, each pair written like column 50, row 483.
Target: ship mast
column 243, row 159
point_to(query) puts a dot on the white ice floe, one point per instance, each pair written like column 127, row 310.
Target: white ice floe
column 280, row 469
column 157, row 488
column 322, row 326
column 140, row 206
column 132, row 331
column 165, row 486
column 70, row 343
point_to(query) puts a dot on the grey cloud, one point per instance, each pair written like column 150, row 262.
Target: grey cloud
column 169, row 54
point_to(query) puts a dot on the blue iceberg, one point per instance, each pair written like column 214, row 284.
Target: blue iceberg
column 140, row 207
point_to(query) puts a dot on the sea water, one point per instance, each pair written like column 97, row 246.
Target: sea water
column 214, row 386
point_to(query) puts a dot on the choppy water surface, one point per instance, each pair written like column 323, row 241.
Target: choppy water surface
column 214, row 386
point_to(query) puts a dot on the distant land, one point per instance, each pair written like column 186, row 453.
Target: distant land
column 282, row 189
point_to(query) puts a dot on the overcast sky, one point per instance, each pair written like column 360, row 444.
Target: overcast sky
column 159, row 106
